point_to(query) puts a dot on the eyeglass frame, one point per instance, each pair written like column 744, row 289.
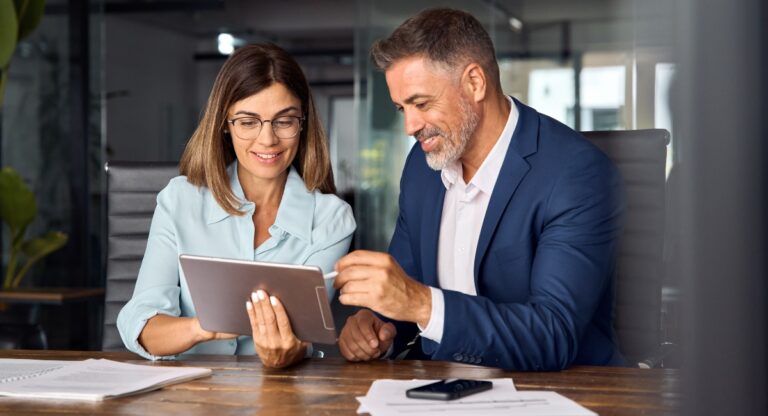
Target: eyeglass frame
column 261, row 126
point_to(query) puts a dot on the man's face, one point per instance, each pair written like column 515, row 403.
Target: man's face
column 437, row 113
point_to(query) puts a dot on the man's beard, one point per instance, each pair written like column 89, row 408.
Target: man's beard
column 452, row 146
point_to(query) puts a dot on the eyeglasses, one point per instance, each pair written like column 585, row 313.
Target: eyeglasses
column 284, row 127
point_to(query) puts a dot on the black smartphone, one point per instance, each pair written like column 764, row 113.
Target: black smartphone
column 449, row 389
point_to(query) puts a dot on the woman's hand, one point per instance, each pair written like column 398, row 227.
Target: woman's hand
column 273, row 337
column 203, row 335
column 171, row 335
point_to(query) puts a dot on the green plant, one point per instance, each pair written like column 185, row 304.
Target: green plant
column 18, row 18
column 18, row 209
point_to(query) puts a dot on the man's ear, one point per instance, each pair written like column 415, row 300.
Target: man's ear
column 474, row 82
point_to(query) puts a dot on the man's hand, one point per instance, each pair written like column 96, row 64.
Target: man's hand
column 365, row 337
column 375, row 281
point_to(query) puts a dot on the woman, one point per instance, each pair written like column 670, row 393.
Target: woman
column 257, row 185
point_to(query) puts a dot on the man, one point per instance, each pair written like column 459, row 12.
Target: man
column 504, row 249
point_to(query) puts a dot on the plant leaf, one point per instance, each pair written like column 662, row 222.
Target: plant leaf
column 17, row 236
column 30, row 16
column 3, row 79
column 40, row 247
column 18, row 207
column 9, row 29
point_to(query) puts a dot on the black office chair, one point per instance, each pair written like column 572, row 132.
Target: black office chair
column 132, row 189
column 640, row 156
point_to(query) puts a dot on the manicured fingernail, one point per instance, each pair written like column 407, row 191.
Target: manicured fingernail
column 261, row 295
column 255, row 297
column 273, row 300
column 248, row 305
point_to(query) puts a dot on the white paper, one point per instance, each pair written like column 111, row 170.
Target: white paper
column 99, row 380
column 387, row 397
column 12, row 369
column 394, row 390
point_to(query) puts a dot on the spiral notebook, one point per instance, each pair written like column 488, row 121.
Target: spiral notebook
column 92, row 380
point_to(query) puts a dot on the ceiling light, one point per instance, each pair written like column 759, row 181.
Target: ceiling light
column 226, row 43
column 515, row 24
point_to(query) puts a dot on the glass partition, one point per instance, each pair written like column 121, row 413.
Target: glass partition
column 52, row 135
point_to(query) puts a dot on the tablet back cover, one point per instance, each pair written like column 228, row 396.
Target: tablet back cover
column 220, row 287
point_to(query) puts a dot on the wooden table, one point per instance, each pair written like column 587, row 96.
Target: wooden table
column 240, row 385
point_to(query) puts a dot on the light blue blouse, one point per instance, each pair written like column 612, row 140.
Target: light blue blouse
column 311, row 228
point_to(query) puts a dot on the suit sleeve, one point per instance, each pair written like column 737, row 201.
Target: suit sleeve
column 572, row 267
column 400, row 248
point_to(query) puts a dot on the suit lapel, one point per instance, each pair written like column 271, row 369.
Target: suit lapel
column 434, row 196
column 524, row 143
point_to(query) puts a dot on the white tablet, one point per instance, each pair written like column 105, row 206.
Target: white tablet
column 220, row 287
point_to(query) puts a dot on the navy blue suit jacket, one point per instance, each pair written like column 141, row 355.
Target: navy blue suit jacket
column 545, row 258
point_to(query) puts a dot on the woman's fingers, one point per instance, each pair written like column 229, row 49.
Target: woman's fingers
column 270, row 321
column 261, row 327
column 252, row 317
column 281, row 318
column 273, row 336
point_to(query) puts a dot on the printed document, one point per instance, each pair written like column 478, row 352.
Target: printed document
column 92, row 380
column 387, row 397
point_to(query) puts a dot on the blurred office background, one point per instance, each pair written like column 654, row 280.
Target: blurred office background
column 108, row 80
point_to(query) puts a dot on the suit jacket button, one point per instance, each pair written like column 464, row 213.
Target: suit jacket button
column 458, row 357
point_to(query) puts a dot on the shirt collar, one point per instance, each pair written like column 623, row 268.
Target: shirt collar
column 215, row 212
column 450, row 174
column 296, row 211
column 486, row 175
column 294, row 215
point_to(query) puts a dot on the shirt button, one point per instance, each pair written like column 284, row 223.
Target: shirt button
column 458, row 357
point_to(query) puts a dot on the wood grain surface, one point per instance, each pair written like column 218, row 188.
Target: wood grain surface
column 241, row 386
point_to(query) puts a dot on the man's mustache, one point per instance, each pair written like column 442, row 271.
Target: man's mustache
column 428, row 133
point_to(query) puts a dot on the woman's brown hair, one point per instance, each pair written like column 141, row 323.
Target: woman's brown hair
column 248, row 71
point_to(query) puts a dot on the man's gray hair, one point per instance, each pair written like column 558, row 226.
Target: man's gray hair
column 450, row 37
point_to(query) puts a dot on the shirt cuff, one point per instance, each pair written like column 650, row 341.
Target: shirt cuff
column 434, row 329
column 388, row 354
column 131, row 336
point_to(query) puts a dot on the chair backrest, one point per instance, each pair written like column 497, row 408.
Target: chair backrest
column 132, row 188
column 640, row 156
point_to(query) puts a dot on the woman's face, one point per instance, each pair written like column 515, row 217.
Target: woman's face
column 260, row 152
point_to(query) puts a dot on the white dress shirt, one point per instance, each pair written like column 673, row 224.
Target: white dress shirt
column 463, row 214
